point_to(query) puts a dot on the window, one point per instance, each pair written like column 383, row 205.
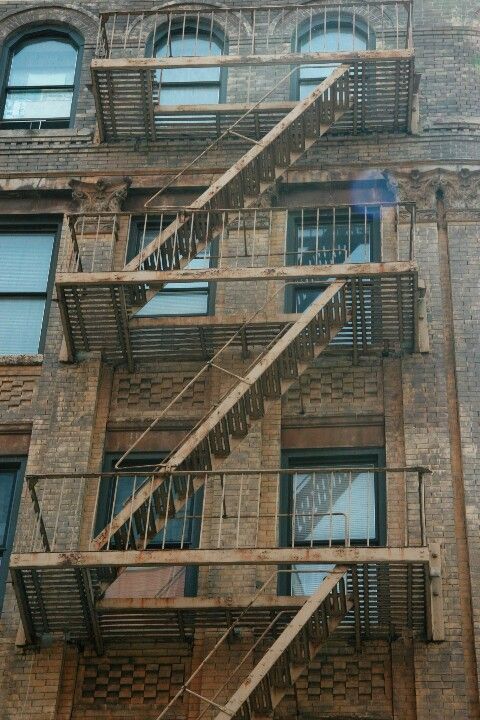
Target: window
column 41, row 77
column 328, row 33
column 182, row 531
column 194, row 298
column 26, row 278
column 190, row 86
column 11, row 475
column 330, row 508
column 330, row 236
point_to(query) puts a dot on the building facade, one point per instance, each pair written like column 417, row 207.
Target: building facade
column 238, row 363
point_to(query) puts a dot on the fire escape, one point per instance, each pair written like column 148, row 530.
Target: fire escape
column 64, row 583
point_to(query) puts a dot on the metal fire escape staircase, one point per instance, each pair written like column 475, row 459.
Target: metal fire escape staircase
column 254, row 173
column 215, row 436
column 281, row 665
column 292, row 652
column 297, row 344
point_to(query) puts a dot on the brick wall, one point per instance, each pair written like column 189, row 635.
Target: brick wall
column 72, row 414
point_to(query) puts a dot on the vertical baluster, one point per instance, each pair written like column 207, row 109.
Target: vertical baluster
column 112, row 512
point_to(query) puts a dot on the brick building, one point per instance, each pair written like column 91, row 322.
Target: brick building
column 238, row 392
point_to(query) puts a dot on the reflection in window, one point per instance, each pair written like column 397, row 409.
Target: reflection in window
column 329, row 237
column 40, row 82
column 330, row 508
column 174, row 298
column 182, row 531
column 25, row 265
column 326, row 35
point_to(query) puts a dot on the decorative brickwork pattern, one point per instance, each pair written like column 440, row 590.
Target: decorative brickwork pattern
column 156, row 391
column 143, row 679
column 16, row 391
column 333, row 387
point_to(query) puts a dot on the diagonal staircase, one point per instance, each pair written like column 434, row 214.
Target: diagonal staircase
column 217, row 433
column 292, row 652
column 252, row 175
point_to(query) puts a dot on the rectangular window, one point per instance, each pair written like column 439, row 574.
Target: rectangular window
column 195, row 298
column 341, row 507
column 329, row 237
column 182, row 531
column 26, row 278
column 11, row 475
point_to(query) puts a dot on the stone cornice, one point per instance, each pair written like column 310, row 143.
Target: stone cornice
column 104, row 195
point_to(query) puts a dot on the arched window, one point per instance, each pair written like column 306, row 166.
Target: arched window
column 41, row 76
column 190, row 86
column 328, row 33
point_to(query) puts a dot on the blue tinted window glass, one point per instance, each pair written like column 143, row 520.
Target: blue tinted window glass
column 21, row 321
column 25, row 261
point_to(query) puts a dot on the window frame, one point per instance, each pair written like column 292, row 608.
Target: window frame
column 105, row 500
column 50, row 31
column 137, row 227
column 18, row 462
column 292, row 251
column 201, row 29
column 330, row 457
column 45, row 223
column 345, row 22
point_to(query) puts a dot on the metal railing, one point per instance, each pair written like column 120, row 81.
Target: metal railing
column 267, row 30
column 310, row 507
column 245, row 237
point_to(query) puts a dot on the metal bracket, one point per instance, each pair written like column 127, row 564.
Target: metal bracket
column 434, row 591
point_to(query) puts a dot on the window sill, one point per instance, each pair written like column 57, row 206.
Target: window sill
column 21, row 359
column 54, row 135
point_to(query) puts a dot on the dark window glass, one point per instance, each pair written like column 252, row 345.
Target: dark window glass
column 40, row 83
column 174, row 298
column 25, row 266
column 330, row 508
column 327, row 34
column 328, row 238
column 11, row 472
column 182, row 531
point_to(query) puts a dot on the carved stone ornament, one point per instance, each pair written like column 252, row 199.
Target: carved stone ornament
column 460, row 189
column 102, row 196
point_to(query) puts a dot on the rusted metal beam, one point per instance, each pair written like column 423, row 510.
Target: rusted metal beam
column 292, row 58
column 291, row 272
column 243, row 556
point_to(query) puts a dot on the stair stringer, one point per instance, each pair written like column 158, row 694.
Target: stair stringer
column 313, row 331
column 262, row 178
column 280, row 667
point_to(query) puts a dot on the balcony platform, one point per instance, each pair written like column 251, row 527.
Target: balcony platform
column 98, row 311
column 381, row 84
column 61, row 593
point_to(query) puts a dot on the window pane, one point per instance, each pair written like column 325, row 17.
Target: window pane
column 306, row 579
column 304, row 296
column 187, row 46
column 25, row 261
column 7, row 483
column 324, row 244
column 332, row 507
column 43, row 62
column 37, row 104
column 176, row 303
column 20, row 325
column 189, row 95
column 333, row 40
column 179, row 528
